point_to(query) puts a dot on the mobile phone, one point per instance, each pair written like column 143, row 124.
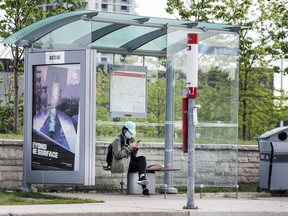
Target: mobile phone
column 138, row 141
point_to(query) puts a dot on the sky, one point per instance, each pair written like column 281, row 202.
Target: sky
column 153, row 8
column 156, row 8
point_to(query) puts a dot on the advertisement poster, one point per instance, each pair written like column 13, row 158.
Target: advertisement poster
column 55, row 137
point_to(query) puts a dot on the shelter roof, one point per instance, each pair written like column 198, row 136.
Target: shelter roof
column 112, row 32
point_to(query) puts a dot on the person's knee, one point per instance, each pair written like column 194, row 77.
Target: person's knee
column 142, row 157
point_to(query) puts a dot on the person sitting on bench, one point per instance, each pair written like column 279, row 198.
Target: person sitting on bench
column 124, row 156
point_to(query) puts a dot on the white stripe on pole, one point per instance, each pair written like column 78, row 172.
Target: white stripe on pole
column 192, row 65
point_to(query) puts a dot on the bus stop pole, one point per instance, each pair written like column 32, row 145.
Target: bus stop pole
column 191, row 93
column 191, row 155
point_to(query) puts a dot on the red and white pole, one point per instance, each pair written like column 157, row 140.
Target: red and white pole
column 191, row 88
column 192, row 65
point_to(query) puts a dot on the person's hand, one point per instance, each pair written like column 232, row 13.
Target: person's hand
column 134, row 144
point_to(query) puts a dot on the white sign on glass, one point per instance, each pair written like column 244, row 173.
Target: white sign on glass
column 128, row 91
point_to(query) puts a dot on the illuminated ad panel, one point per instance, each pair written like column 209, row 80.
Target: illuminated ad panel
column 55, row 136
column 128, row 92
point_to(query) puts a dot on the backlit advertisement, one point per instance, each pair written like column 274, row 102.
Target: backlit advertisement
column 55, row 136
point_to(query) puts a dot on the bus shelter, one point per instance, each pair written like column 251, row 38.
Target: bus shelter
column 61, row 56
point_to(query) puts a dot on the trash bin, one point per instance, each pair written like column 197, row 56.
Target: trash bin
column 273, row 154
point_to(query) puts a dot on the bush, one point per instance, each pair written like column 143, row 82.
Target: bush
column 6, row 119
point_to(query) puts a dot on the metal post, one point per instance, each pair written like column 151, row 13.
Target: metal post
column 191, row 88
column 191, row 156
column 26, row 186
column 169, row 129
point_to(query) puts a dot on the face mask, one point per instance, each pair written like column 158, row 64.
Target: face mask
column 128, row 135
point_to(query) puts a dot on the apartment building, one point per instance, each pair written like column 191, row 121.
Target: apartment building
column 113, row 6
column 116, row 6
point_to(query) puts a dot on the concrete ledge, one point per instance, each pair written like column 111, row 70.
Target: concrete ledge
column 216, row 164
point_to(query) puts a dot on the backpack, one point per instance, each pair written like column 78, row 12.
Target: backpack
column 109, row 155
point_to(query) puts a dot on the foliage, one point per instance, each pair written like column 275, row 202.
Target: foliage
column 265, row 37
column 19, row 14
column 277, row 30
column 256, row 102
column 102, row 105
column 156, row 106
column 201, row 11
column 6, row 119
column 214, row 96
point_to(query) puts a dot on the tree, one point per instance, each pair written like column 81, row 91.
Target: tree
column 278, row 30
column 102, row 105
column 19, row 14
column 156, row 105
column 256, row 44
column 201, row 11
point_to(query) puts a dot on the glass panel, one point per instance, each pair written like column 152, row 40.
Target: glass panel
column 150, row 129
column 122, row 36
column 216, row 134
column 46, row 26
column 73, row 35
column 35, row 27
column 158, row 44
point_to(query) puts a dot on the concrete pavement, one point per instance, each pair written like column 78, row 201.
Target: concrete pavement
column 215, row 204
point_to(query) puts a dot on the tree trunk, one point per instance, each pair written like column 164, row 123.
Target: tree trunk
column 244, row 117
column 16, row 89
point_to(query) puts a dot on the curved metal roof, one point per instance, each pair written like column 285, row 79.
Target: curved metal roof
column 111, row 32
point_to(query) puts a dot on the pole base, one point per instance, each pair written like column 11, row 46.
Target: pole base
column 190, row 207
column 168, row 190
column 27, row 188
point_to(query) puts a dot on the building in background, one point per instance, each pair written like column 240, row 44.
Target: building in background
column 51, row 5
column 116, row 6
column 113, row 6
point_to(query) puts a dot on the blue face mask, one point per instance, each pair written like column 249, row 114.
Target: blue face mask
column 128, row 135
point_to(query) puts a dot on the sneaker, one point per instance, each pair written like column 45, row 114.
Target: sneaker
column 142, row 181
column 145, row 193
column 107, row 168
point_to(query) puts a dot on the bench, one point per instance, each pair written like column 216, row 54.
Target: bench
column 134, row 188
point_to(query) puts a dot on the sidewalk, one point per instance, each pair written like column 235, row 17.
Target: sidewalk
column 116, row 204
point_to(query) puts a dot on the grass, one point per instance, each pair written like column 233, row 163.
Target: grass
column 11, row 136
column 247, row 142
column 9, row 197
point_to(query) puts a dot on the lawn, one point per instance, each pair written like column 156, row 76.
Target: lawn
column 11, row 197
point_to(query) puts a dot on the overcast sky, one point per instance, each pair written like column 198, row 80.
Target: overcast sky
column 153, row 8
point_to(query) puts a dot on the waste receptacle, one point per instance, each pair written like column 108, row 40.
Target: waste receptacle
column 273, row 154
